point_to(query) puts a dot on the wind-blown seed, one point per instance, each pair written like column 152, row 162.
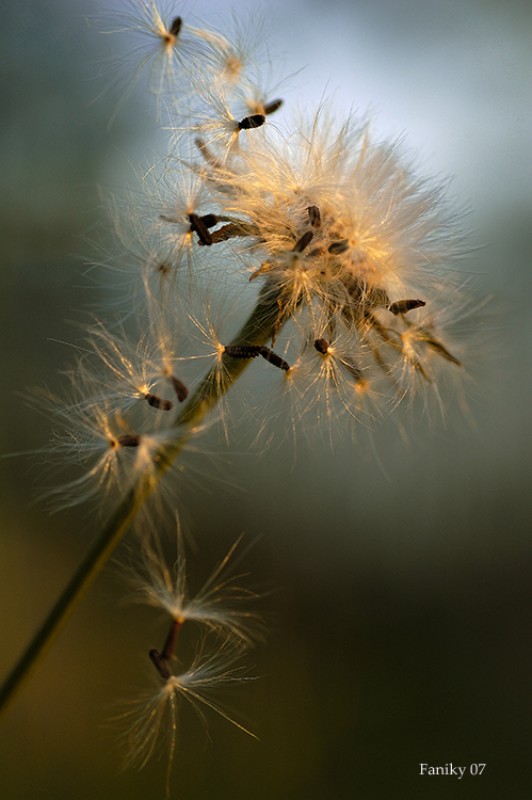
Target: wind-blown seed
column 198, row 226
column 273, row 106
column 314, row 216
column 303, row 242
column 402, row 306
column 274, row 359
column 337, row 248
column 243, row 350
column 179, row 388
column 158, row 402
column 253, row 121
column 175, row 27
column 254, row 350
column 322, row 346
column 209, row 220
column 129, row 440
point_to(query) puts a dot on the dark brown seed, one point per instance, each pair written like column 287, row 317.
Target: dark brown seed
column 129, row 440
column 274, row 359
column 254, row 121
column 209, row 220
column 314, row 216
column 336, row 248
column 322, row 346
column 402, row 306
column 243, row 350
column 175, row 27
column 303, row 242
column 179, row 388
column 157, row 402
column 273, row 106
column 199, row 227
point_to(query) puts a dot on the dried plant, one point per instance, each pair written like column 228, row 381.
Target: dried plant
column 303, row 247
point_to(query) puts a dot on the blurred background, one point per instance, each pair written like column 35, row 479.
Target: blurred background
column 395, row 570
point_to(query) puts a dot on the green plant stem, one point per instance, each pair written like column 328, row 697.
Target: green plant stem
column 257, row 330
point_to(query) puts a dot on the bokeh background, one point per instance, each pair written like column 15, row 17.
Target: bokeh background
column 396, row 569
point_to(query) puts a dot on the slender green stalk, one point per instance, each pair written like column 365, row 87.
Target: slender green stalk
column 256, row 330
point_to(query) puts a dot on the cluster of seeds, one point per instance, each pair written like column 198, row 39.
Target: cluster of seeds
column 224, row 629
column 343, row 251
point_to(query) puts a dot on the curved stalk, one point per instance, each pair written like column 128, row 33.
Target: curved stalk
column 257, row 330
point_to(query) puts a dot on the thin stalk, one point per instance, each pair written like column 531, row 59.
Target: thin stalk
column 257, row 330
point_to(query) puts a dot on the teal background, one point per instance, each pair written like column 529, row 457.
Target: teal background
column 395, row 569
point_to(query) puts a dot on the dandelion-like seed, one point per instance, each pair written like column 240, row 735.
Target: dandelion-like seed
column 225, row 629
column 153, row 717
column 94, row 437
column 95, row 432
column 219, row 606
column 162, row 45
column 132, row 370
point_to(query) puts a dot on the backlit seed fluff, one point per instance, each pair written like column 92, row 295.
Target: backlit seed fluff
column 299, row 248
column 221, row 605
column 351, row 242
column 108, row 449
column 153, row 716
